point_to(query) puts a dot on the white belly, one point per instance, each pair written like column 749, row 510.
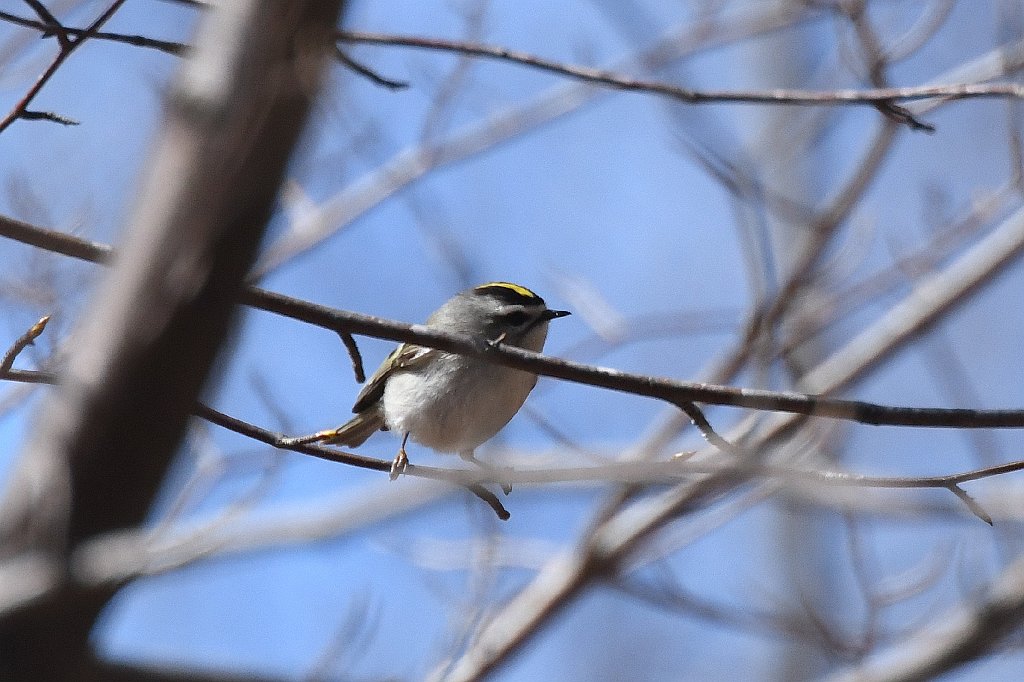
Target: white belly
column 441, row 409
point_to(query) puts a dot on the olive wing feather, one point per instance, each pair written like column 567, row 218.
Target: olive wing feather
column 406, row 356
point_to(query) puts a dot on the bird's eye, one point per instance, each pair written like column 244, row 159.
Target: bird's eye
column 515, row 318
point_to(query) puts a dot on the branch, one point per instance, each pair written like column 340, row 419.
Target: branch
column 619, row 534
column 409, row 165
column 871, row 96
column 67, row 47
column 169, row 47
column 958, row 638
column 23, row 342
column 882, row 98
column 670, row 390
column 53, row 27
column 145, row 346
column 629, row 472
column 95, row 252
column 929, row 299
column 366, row 72
column 1006, row 243
column 279, row 440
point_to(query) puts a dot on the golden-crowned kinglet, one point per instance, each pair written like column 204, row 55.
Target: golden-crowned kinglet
column 449, row 402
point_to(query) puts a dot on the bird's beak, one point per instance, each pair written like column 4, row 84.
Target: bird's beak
column 552, row 314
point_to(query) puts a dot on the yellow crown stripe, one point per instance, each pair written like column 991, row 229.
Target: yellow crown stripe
column 522, row 291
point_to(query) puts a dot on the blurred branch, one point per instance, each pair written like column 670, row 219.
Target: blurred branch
column 122, row 555
column 413, row 163
column 55, row 241
column 923, row 260
column 609, row 546
column 126, row 672
column 999, row 62
column 930, row 298
column 142, row 555
column 335, row 455
column 957, row 638
column 145, row 347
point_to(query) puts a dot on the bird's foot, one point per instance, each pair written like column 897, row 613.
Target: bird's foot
column 399, row 463
column 470, row 457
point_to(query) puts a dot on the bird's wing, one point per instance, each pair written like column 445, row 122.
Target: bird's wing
column 405, row 356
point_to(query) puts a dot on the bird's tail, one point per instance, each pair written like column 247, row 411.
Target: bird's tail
column 355, row 432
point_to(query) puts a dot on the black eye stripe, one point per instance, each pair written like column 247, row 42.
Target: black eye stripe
column 515, row 318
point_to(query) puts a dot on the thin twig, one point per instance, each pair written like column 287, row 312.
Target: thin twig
column 95, row 252
column 23, row 342
column 68, row 46
column 845, row 96
column 971, row 503
column 699, row 420
column 412, row 164
column 51, row 116
column 307, row 447
column 167, row 46
column 367, row 72
column 54, row 26
column 354, row 355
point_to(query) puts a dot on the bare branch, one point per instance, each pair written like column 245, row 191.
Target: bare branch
column 55, row 241
column 169, row 47
column 410, row 165
column 53, row 117
column 956, row 638
column 23, row 342
column 930, row 298
column 54, row 27
column 354, row 355
column 629, row 472
column 625, row 528
column 367, row 72
column 874, row 96
column 145, row 347
column 976, row 267
column 67, row 48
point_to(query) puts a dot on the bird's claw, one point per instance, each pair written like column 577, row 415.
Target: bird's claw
column 398, row 464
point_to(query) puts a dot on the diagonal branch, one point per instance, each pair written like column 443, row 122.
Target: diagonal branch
column 68, row 46
column 613, row 541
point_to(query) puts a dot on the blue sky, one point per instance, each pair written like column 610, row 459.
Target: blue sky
column 605, row 200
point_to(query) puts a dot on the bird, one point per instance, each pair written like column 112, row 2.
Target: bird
column 448, row 402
